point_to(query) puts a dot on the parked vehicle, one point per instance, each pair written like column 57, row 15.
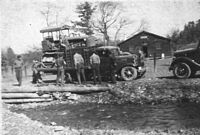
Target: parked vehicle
column 186, row 61
column 127, row 67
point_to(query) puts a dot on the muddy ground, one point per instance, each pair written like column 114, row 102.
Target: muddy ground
column 157, row 87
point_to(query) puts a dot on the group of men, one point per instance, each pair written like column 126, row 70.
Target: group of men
column 60, row 64
column 79, row 67
column 94, row 65
column 80, row 71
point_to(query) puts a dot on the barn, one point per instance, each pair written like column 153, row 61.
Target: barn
column 148, row 42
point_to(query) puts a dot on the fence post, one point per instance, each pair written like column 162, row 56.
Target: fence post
column 2, row 71
column 154, row 61
column 12, row 68
column 25, row 71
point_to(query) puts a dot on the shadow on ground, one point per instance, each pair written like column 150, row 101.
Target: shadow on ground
column 173, row 77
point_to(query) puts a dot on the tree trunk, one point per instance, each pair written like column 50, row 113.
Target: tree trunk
column 73, row 89
column 24, row 96
column 15, row 101
column 106, row 39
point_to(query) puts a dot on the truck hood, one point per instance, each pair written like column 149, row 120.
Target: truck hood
column 184, row 51
column 127, row 55
column 187, row 48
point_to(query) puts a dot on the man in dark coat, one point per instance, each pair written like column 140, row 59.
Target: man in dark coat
column 112, row 68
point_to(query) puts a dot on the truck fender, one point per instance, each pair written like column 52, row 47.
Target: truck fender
column 128, row 64
column 187, row 60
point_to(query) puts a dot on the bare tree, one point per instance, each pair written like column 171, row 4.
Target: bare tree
column 144, row 25
column 105, row 18
column 122, row 23
column 46, row 12
column 49, row 11
column 57, row 16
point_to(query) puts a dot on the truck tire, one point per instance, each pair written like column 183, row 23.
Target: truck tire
column 128, row 73
column 182, row 71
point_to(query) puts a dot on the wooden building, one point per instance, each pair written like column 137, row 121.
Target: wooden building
column 148, row 42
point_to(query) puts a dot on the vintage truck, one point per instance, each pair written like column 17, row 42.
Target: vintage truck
column 186, row 61
column 127, row 67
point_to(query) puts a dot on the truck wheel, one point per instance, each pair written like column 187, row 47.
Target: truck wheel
column 182, row 71
column 128, row 73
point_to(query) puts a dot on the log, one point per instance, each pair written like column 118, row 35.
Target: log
column 18, row 101
column 23, row 96
column 72, row 89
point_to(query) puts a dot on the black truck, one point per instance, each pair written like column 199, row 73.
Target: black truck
column 186, row 61
column 127, row 67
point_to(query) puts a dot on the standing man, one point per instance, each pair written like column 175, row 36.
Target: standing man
column 60, row 63
column 34, row 69
column 141, row 58
column 79, row 66
column 18, row 65
column 112, row 67
column 95, row 64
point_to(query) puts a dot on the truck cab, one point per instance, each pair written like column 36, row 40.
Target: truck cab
column 127, row 67
column 186, row 61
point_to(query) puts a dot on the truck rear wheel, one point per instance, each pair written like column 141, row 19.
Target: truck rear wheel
column 128, row 73
column 182, row 71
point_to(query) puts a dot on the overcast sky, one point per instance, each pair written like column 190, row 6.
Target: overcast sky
column 21, row 20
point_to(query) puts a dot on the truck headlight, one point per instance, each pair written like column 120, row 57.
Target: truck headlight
column 41, row 72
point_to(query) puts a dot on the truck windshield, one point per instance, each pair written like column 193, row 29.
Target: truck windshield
column 56, row 35
column 115, row 51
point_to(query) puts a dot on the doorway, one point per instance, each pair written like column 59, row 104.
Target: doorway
column 145, row 50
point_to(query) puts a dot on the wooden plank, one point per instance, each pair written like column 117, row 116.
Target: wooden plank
column 17, row 101
column 23, row 96
column 72, row 89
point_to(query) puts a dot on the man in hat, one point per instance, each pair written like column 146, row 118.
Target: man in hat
column 18, row 65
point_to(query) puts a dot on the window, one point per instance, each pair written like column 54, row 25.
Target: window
column 158, row 46
column 103, row 53
column 115, row 52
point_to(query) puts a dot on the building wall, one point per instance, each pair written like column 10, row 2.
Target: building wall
column 152, row 43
